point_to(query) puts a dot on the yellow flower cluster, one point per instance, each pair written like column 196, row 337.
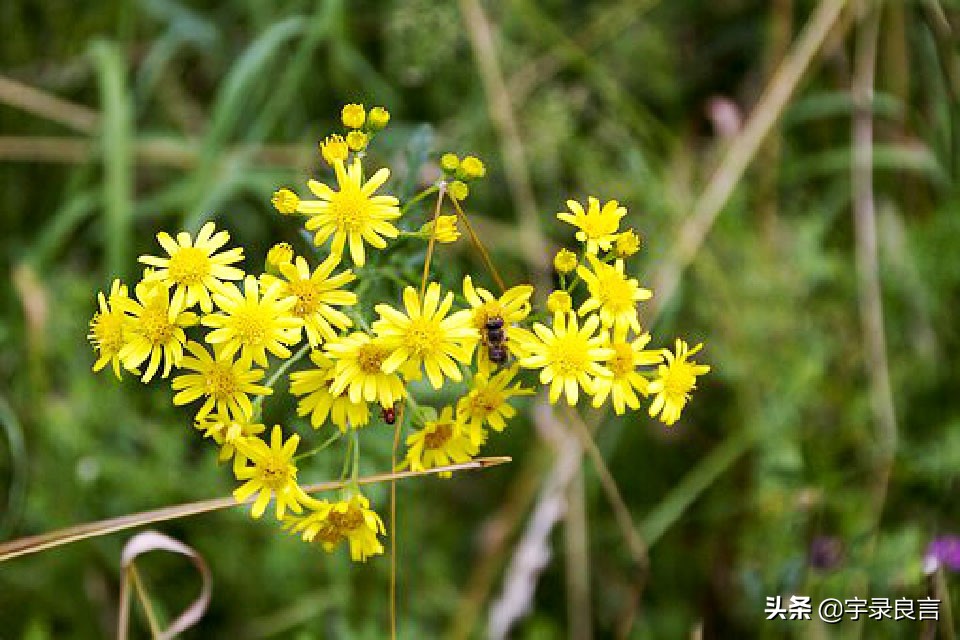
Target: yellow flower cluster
column 222, row 329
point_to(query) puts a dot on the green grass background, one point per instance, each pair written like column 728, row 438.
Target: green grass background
column 204, row 108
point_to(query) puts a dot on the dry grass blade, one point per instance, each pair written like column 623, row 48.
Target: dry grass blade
column 34, row 544
column 45, row 105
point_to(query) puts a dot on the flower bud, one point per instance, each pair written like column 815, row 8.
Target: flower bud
column 472, row 168
column 357, row 140
column 559, row 302
column 627, row 244
column 285, row 201
column 334, row 149
column 353, row 116
column 565, row 261
column 378, row 118
column 446, row 229
column 279, row 254
column 458, row 190
column 449, row 162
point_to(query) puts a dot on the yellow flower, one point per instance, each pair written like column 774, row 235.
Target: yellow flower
column 353, row 116
column 271, row 473
column 357, row 140
column 253, row 322
column 425, row 336
column 449, row 162
column 447, row 230
column 285, row 201
column 227, row 431
column 513, row 307
column 568, row 356
column 280, row 253
column 353, row 213
column 559, row 301
column 316, row 296
column 626, row 380
column 156, row 330
column 320, row 403
column 487, row 400
column 330, row 523
column 359, row 370
column 565, row 261
column 628, row 243
column 378, row 118
column 472, row 168
column 224, row 382
column 334, row 149
column 109, row 328
column 442, row 442
column 675, row 380
column 458, row 190
column 614, row 294
column 597, row 226
column 193, row 268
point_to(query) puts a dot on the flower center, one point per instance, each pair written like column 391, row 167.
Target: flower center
column 370, row 357
column 486, row 401
column 308, row 297
column 350, row 209
column 220, row 381
column 614, row 291
column 250, row 326
column 568, row 355
column 108, row 334
column 189, row 265
column 596, row 226
column 622, row 363
column 679, row 380
column 275, row 473
column 484, row 312
column 440, row 436
column 154, row 323
column 423, row 336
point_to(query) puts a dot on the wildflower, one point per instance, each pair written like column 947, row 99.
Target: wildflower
column 156, row 330
column 675, row 380
column 359, row 370
column 224, row 382
column 449, row 162
column 378, row 118
column 285, row 201
column 625, row 381
column 334, row 149
column 569, row 357
column 425, row 336
column 446, row 229
column 353, row 116
column 271, row 473
column 316, row 295
column 357, row 140
column 487, row 402
column 353, row 213
column 597, row 226
column 193, row 268
column 512, row 306
column 559, row 301
column 458, row 190
column 627, row 244
column 227, row 431
column 253, row 322
column 320, row 403
column 109, row 328
column 441, row 442
column 942, row 551
column 565, row 261
column 472, row 168
column 330, row 523
column 613, row 294
column 280, row 253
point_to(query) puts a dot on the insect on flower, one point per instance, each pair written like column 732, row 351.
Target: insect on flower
column 389, row 415
column 496, row 340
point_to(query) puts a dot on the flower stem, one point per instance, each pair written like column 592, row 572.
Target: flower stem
column 306, row 454
column 433, row 240
column 478, row 244
column 420, row 196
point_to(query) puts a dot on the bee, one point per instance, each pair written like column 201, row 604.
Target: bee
column 496, row 340
column 389, row 415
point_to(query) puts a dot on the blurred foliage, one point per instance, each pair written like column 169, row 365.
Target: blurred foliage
column 613, row 98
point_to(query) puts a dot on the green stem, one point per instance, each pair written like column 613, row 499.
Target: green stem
column 420, row 196
column 282, row 369
column 356, row 456
column 326, row 443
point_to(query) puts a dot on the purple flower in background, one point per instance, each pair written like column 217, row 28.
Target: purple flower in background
column 826, row 552
column 943, row 551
